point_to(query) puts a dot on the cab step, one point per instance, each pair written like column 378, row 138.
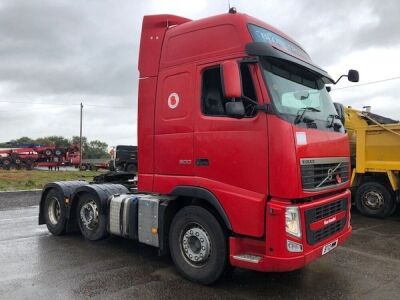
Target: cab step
column 248, row 258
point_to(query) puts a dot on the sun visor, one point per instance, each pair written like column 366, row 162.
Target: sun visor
column 268, row 50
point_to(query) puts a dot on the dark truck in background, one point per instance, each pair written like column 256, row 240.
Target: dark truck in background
column 124, row 158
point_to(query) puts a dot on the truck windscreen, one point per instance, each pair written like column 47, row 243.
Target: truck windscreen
column 300, row 96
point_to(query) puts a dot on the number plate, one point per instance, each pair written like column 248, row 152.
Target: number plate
column 329, row 247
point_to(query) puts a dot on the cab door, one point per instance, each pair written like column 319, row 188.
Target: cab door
column 231, row 155
column 173, row 140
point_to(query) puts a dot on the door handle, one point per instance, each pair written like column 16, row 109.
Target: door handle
column 202, row 162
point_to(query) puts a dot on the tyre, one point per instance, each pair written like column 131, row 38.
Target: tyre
column 7, row 162
column 374, row 199
column 92, row 224
column 198, row 245
column 17, row 161
column 83, row 167
column 48, row 152
column 131, row 168
column 58, row 152
column 55, row 213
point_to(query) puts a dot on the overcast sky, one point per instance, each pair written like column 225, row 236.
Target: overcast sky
column 64, row 52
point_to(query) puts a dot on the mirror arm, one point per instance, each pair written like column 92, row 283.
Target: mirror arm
column 263, row 107
column 344, row 75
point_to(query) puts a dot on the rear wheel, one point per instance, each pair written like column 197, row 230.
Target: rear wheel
column 198, row 245
column 374, row 199
column 55, row 213
column 91, row 223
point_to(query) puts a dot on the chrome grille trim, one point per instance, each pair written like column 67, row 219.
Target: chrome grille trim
column 320, row 173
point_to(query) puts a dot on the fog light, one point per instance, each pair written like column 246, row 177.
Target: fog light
column 294, row 247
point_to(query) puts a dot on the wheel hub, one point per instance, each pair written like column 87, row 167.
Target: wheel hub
column 54, row 211
column 89, row 215
column 373, row 200
column 196, row 245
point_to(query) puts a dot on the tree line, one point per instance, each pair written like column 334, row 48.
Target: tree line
column 91, row 149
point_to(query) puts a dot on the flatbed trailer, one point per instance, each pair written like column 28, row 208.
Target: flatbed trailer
column 37, row 156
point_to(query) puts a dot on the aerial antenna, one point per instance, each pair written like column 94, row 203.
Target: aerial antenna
column 232, row 10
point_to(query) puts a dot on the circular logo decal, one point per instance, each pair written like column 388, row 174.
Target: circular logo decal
column 173, row 100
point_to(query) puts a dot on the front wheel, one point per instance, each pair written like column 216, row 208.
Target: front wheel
column 198, row 245
column 374, row 199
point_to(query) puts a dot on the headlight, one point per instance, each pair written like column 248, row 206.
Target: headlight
column 292, row 220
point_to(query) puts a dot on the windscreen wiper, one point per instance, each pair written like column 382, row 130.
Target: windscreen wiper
column 331, row 123
column 300, row 117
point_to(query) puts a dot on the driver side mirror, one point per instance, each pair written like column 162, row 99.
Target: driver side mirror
column 353, row 76
column 231, row 81
column 235, row 109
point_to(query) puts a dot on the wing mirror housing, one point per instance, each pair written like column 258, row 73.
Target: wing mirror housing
column 231, row 81
column 353, row 76
column 235, row 109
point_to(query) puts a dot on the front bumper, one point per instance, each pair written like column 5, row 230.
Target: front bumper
column 272, row 254
column 284, row 264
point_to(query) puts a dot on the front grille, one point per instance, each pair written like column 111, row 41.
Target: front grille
column 329, row 230
column 318, row 213
column 329, row 209
column 320, row 173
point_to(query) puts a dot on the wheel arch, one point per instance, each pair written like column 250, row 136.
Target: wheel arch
column 199, row 194
column 185, row 196
column 65, row 189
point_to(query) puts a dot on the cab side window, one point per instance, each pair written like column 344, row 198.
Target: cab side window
column 213, row 101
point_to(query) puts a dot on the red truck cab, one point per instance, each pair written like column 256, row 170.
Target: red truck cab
column 274, row 160
column 242, row 157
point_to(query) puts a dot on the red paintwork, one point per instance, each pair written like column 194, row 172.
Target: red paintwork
column 253, row 162
column 231, row 79
column 274, row 255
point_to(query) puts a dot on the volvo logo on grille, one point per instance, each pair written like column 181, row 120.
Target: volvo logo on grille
column 330, row 175
column 330, row 220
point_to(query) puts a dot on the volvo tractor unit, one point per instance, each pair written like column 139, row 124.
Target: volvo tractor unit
column 242, row 160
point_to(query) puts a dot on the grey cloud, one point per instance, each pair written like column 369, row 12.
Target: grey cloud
column 58, row 48
column 67, row 51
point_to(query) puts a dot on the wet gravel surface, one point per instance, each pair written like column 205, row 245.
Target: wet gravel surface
column 37, row 265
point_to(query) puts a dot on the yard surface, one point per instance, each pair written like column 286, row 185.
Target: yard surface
column 28, row 180
column 37, row 265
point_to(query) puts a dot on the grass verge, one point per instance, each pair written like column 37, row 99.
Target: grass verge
column 29, row 180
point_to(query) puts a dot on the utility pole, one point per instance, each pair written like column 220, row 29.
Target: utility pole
column 80, row 141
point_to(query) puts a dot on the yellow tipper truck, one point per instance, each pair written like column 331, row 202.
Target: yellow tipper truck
column 375, row 160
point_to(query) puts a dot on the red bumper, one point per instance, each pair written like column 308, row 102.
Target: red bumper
column 284, row 264
column 271, row 254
